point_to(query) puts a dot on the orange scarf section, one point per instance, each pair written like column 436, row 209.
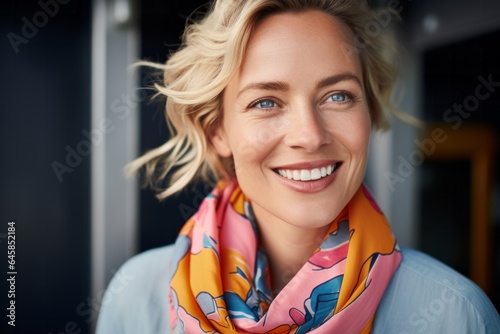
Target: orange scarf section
column 221, row 283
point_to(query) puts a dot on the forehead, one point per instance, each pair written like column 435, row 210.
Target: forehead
column 298, row 39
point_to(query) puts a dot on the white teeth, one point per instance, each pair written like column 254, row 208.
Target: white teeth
column 315, row 174
column 307, row 174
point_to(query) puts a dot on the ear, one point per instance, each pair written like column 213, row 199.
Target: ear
column 220, row 143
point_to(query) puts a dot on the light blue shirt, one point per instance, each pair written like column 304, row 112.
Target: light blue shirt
column 424, row 296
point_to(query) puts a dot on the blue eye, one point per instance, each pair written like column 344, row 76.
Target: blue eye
column 338, row 97
column 264, row 104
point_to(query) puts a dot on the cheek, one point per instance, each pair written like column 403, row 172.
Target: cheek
column 254, row 140
column 361, row 140
column 353, row 133
column 361, row 131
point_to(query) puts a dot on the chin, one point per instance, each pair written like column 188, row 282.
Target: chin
column 312, row 216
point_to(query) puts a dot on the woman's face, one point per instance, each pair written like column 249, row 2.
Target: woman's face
column 296, row 121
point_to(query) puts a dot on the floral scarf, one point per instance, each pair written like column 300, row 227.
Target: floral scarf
column 221, row 281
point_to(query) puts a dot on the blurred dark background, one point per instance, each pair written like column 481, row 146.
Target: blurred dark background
column 46, row 105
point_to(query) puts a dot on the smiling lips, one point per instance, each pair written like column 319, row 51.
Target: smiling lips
column 308, row 174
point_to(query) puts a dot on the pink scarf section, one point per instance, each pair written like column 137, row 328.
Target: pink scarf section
column 221, row 283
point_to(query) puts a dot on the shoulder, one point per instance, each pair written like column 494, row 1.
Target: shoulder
column 136, row 299
column 426, row 296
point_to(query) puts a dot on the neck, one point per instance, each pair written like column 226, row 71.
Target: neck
column 287, row 247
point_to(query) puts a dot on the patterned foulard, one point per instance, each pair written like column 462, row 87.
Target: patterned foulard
column 220, row 279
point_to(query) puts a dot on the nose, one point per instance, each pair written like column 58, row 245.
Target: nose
column 306, row 130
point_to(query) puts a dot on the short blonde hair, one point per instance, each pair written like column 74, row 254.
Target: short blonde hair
column 195, row 76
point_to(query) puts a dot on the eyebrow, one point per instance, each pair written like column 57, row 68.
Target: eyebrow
column 268, row 85
column 282, row 86
column 331, row 80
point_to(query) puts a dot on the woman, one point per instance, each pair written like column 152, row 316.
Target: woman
column 276, row 99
